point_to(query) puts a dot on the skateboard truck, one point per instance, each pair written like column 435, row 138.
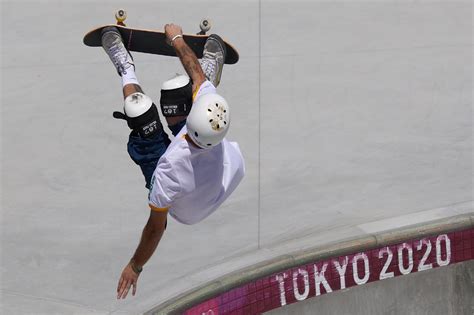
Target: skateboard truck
column 121, row 16
column 205, row 26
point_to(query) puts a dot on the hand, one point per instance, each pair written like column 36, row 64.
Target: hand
column 127, row 279
column 171, row 30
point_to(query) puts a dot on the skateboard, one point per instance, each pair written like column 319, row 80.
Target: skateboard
column 155, row 42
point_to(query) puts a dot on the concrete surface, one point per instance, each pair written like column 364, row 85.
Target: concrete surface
column 348, row 114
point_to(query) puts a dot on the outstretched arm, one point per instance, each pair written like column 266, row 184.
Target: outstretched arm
column 151, row 236
column 185, row 54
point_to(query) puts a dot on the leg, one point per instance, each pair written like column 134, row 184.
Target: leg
column 146, row 152
column 176, row 94
column 179, row 91
column 147, row 141
column 129, row 89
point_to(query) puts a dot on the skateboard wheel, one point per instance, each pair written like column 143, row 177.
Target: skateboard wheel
column 121, row 15
column 205, row 25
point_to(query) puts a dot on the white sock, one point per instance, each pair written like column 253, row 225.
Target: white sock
column 129, row 77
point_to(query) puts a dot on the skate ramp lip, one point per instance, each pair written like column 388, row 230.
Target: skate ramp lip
column 451, row 240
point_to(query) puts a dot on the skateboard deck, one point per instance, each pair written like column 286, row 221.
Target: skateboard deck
column 154, row 42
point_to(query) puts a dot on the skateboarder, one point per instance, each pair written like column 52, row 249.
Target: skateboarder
column 192, row 175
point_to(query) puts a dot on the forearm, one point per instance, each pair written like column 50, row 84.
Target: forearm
column 148, row 243
column 189, row 61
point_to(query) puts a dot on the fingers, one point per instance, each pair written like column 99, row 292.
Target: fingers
column 172, row 28
column 120, row 284
column 134, row 288
column 128, row 279
column 124, row 288
column 122, row 294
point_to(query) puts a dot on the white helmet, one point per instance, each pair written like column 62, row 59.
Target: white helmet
column 209, row 120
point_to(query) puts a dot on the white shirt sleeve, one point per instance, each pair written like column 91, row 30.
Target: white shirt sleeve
column 206, row 88
column 165, row 186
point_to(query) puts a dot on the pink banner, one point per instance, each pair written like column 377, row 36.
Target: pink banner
column 326, row 276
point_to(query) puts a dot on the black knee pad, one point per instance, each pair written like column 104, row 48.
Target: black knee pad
column 176, row 101
column 147, row 124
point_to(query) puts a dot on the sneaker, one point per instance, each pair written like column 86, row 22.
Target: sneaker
column 213, row 59
column 114, row 47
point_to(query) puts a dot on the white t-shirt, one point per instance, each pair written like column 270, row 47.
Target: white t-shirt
column 191, row 183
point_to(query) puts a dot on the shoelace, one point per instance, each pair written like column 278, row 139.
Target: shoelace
column 208, row 64
column 119, row 59
column 119, row 56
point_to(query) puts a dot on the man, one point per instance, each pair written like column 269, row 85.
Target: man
column 192, row 175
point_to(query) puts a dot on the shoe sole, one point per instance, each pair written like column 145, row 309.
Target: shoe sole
column 221, row 43
column 110, row 29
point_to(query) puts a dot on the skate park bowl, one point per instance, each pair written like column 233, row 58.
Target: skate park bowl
column 290, row 284
column 355, row 121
